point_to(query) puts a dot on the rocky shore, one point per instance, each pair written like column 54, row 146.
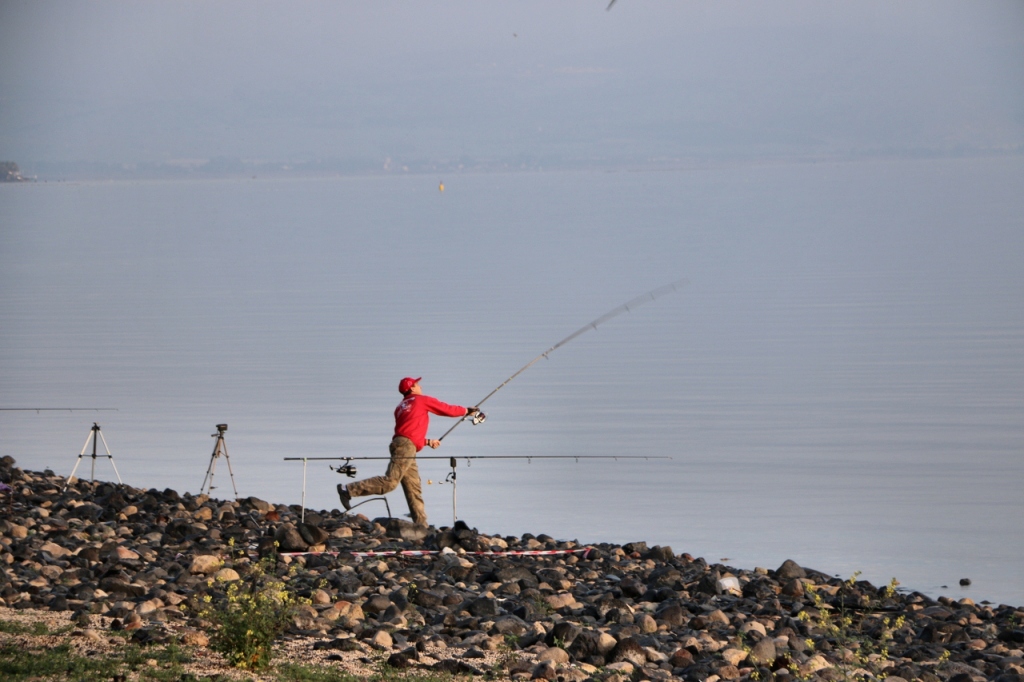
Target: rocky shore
column 115, row 557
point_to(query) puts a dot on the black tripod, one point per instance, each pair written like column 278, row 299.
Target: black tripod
column 220, row 448
column 94, row 435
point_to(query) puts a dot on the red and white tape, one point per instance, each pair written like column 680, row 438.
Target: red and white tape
column 585, row 551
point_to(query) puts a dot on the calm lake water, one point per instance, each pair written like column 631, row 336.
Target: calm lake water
column 841, row 382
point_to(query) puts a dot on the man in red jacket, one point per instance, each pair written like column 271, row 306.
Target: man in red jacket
column 412, row 418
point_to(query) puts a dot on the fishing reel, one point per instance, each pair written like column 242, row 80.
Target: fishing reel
column 348, row 469
column 478, row 418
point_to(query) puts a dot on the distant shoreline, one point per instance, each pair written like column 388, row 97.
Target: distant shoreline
column 214, row 169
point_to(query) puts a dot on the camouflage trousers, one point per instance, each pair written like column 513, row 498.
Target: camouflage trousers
column 401, row 469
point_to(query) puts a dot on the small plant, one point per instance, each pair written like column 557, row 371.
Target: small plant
column 256, row 611
column 542, row 606
column 37, row 629
column 297, row 672
column 26, row 663
column 866, row 647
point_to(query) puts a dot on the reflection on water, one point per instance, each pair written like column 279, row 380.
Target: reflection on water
column 840, row 383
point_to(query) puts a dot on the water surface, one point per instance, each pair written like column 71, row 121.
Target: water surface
column 841, row 383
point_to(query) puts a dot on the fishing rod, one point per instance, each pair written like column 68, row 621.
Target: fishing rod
column 478, row 417
column 58, row 409
column 349, row 469
column 651, row 295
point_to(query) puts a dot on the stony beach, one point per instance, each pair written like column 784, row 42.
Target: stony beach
column 107, row 559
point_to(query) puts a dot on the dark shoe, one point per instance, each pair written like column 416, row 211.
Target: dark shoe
column 346, row 499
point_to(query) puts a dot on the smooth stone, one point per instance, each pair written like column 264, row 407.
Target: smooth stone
column 545, row 670
column 734, row 656
column 728, row 672
column 149, row 606
column 753, row 626
column 624, row 667
column 646, row 623
column 673, row 616
column 205, row 564
column 226, row 575
column 55, row 550
column 382, row 640
column 120, row 553
column 814, row 664
column 554, row 654
column 793, row 588
column 718, row 616
column 560, row 601
column 763, row 653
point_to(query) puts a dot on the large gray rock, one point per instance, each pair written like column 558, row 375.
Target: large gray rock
column 789, row 570
column 587, row 646
column 405, row 530
column 563, row 634
column 378, row 603
column 763, row 653
column 628, row 650
column 312, row 535
column 290, row 540
column 484, row 608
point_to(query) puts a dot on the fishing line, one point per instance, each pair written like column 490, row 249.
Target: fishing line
column 629, row 306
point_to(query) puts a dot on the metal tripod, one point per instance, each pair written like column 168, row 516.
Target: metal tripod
column 94, row 435
column 219, row 448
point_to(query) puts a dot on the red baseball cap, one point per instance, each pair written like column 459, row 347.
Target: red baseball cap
column 406, row 384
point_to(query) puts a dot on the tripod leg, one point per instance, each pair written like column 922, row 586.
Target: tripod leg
column 92, row 474
column 116, row 472
column 85, row 446
column 455, row 515
column 67, row 481
column 230, row 472
column 110, row 457
column 211, row 467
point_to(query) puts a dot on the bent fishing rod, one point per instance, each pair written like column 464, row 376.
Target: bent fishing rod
column 629, row 306
column 479, row 417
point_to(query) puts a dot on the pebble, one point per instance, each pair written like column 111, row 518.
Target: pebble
column 613, row 614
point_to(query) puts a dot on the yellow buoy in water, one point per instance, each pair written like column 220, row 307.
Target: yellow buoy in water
column 440, row 188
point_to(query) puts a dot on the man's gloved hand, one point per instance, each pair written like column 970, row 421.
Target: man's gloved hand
column 472, row 410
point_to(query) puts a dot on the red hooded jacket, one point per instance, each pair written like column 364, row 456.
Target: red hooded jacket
column 412, row 416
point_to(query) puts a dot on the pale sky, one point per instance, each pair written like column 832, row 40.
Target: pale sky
column 535, row 83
